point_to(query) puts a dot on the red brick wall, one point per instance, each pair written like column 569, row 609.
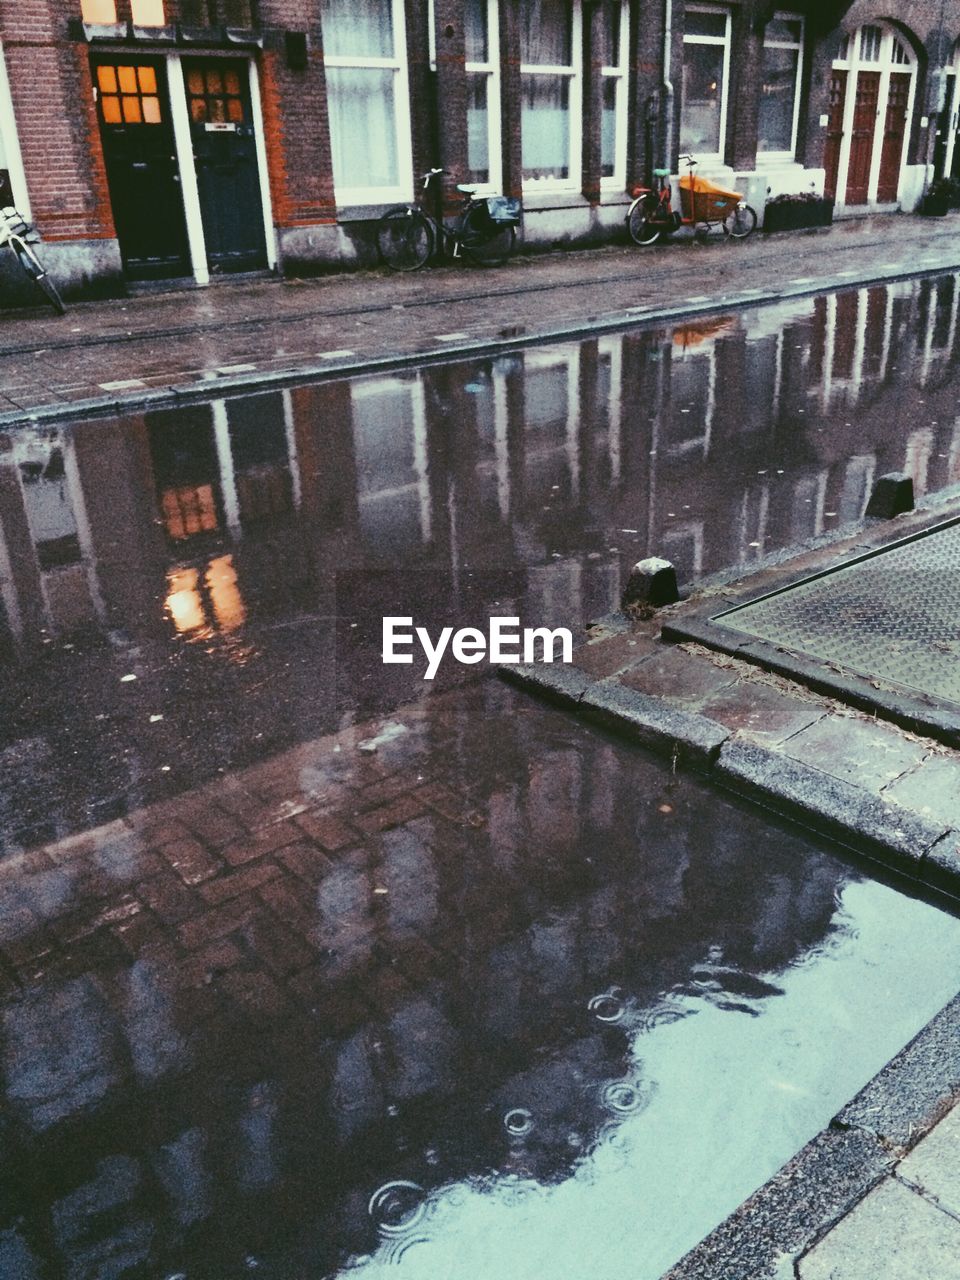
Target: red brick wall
column 56, row 121
column 296, row 123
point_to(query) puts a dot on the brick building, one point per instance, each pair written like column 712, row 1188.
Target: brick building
column 153, row 139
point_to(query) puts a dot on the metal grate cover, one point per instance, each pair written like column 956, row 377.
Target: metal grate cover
column 893, row 616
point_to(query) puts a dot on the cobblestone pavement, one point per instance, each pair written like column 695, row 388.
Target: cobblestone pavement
column 237, row 331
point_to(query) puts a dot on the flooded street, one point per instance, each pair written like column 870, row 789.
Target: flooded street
column 495, row 996
column 208, row 583
column 563, row 1031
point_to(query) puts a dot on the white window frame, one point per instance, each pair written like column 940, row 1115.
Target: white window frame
column 11, row 143
column 491, row 68
column 401, row 97
column 784, row 16
column 617, row 181
column 723, row 42
column 574, row 75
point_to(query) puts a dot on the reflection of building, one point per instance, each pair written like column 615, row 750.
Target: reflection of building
column 712, row 443
column 170, row 1122
column 228, row 542
column 184, row 138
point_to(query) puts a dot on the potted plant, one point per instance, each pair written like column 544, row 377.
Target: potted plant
column 797, row 212
column 937, row 199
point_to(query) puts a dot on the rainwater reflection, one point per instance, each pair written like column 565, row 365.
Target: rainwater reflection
column 563, row 1038
column 237, row 557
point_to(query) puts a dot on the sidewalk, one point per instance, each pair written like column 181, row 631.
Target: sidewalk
column 849, row 756
column 159, row 348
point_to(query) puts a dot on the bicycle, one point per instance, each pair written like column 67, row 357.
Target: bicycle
column 16, row 232
column 703, row 203
column 484, row 230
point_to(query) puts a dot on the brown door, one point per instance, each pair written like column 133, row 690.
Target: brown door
column 861, row 139
column 894, row 128
column 831, row 150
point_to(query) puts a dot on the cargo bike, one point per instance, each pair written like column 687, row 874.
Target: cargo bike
column 703, row 204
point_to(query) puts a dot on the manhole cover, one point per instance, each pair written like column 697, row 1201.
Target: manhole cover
column 892, row 616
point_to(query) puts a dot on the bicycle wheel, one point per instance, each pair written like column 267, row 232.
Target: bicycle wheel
column 639, row 224
column 485, row 242
column 740, row 223
column 404, row 238
column 33, row 268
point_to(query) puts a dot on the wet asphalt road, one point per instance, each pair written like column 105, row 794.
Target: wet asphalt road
column 188, row 591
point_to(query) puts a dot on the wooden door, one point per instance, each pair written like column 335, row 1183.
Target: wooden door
column 225, row 151
column 861, row 138
column 831, row 150
column 142, row 171
column 894, row 131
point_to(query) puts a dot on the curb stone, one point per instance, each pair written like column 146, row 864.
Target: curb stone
column 838, row 808
column 887, row 832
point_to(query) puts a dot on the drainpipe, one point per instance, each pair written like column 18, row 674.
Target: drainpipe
column 666, row 160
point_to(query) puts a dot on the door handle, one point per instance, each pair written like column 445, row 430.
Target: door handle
column 138, row 164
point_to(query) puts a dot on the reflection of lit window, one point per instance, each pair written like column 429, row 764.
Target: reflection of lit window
column 706, row 51
column 188, row 510
column 186, row 601
column 183, row 600
column 221, row 582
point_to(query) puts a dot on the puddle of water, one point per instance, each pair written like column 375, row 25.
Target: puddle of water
column 238, row 556
column 723, row 1082
column 566, row 1040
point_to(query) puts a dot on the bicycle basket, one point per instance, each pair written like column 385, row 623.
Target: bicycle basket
column 504, row 210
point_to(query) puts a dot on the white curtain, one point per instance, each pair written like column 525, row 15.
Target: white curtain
column 363, row 132
column 357, row 28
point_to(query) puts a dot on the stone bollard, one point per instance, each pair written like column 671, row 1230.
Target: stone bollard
column 892, row 495
column 652, row 582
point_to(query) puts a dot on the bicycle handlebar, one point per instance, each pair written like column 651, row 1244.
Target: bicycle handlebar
column 432, row 174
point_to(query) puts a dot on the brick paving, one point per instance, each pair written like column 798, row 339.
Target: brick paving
column 195, row 338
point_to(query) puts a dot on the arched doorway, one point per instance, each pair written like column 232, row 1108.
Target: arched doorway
column 871, row 102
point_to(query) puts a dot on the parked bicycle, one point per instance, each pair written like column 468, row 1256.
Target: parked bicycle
column 17, row 233
column 703, row 204
column 484, row 230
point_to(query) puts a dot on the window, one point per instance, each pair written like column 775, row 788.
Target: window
column 550, row 58
column 483, row 92
column 613, row 128
column 870, row 41
column 215, row 94
column 212, row 13
column 128, row 95
column 99, row 12
column 147, row 13
column 366, row 68
column 780, row 87
column 706, row 53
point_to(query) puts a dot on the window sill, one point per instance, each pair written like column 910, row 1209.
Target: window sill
column 367, row 212
column 535, row 201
